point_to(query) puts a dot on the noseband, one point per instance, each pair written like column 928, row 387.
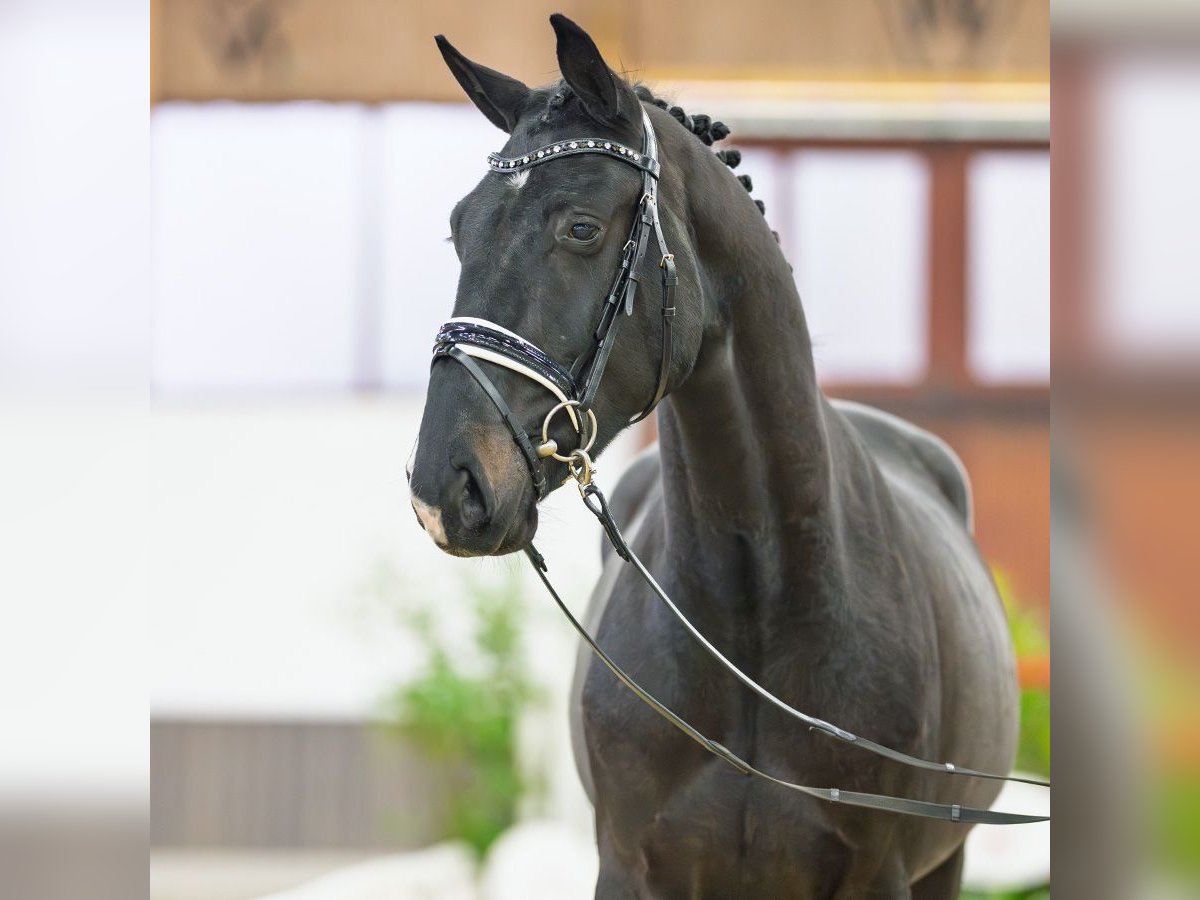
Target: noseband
column 575, row 388
column 466, row 340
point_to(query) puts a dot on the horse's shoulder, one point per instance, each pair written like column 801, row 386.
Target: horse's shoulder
column 902, row 443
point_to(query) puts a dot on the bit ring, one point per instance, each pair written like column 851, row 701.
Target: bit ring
column 587, row 439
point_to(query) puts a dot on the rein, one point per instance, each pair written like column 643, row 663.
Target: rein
column 467, row 339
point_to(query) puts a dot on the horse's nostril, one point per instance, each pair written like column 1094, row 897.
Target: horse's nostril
column 473, row 507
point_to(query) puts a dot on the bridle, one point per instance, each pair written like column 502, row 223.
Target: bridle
column 466, row 340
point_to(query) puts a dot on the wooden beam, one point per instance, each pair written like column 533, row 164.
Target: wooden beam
column 382, row 50
column 947, row 262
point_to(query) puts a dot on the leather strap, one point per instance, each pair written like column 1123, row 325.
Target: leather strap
column 670, row 279
column 631, row 264
column 646, row 161
column 595, row 501
column 950, row 812
column 506, row 413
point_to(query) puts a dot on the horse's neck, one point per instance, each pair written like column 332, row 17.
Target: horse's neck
column 744, row 439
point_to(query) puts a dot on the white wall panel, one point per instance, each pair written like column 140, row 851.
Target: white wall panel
column 257, row 245
column 1008, row 267
column 302, row 246
column 859, row 247
column 418, row 268
column 74, row 196
column 1146, row 196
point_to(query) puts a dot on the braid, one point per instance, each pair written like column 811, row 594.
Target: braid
column 704, row 128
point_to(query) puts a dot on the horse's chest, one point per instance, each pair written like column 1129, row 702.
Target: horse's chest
column 673, row 812
column 681, row 823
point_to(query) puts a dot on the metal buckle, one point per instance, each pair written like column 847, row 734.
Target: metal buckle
column 670, row 257
column 579, row 464
column 549, row 447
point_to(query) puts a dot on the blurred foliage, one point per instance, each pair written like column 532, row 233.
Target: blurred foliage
column 1033, row 751
column 1030, row 638
column 1169, row 694
column 1037, row 893
column 463, row 709
column 1176, row 819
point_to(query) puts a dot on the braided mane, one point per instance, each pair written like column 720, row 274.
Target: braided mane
column 703, row 127
column 708, row 131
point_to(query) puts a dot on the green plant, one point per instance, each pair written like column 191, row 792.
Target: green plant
column 1038, row 893
column 463, row 709
column 1030, row 641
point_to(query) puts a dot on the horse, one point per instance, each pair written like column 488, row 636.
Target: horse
column 825, row 547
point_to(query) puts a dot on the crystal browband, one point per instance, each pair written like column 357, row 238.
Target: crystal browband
column 498, row 163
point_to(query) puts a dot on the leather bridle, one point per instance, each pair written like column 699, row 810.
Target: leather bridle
column 467, row 340
column 575, row 388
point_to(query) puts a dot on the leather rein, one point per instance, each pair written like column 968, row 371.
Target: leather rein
column 468, row 341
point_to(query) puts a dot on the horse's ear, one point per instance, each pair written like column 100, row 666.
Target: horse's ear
column 498, row 97
column 604, row 94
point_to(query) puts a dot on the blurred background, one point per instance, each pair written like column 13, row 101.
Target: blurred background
column 214, row 335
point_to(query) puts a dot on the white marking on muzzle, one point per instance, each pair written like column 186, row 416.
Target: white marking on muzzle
column 431, row 518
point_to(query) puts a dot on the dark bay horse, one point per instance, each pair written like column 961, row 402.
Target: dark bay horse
column 825, row 548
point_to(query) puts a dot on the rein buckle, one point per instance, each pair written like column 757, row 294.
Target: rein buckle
column 580, row 466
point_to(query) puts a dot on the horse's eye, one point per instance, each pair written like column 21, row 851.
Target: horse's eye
column 584, row 231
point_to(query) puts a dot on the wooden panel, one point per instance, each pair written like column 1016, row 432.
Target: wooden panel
column 376, row 50
column 842, row 38
column 1137, row 471
column 369, row 50
column 947, row 267
column 1072, row 223
column 288, row 784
